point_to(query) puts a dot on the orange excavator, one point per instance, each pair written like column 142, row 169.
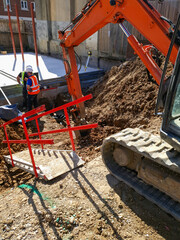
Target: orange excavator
column 133, row 155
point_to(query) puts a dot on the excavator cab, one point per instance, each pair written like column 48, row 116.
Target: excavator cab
column 170, row 130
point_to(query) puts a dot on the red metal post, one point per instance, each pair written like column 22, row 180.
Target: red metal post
column 31, row 141
column 10, row 28
column 30, row 149
column 76, row 128
column 76, row 81
column 146, row 58
column 70, row 131
column 37, row 125
column 19, row 30
column 61, row 107
column 34, row 34
column 8, row 145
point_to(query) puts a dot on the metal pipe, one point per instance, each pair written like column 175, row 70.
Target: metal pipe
column 38, row 129
column 8, row 75
column 124, row 29
column 31, row 141
column 10, row 28
column 8, row 143
column 19, row 30
column 5, row 96
column 76, row 128
column 34, row 34
column 29, row 147
column 69, row 128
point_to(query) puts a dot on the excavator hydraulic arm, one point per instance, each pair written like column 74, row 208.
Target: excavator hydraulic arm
column 98, row 13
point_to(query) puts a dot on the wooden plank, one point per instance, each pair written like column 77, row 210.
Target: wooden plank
column 103, row 42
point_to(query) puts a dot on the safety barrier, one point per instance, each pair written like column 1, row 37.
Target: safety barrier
column 38, row 114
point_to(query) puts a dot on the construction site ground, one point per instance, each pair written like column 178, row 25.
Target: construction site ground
column 87, row 203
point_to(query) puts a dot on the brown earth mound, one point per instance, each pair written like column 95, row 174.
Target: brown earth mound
column 125, row 97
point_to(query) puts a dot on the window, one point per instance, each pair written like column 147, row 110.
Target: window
column 24, row 5
column 7, row 2
column 34, row 6
column 176, row 104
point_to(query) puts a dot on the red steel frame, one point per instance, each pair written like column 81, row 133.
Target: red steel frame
column 27, row 140
column 19, row 30
column 34, row 34
column 11, row 31
column 40, row 141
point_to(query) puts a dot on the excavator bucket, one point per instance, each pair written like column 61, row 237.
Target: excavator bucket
column 49, row 163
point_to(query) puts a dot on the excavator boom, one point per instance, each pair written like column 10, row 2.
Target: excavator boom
column 137, row 12
column 98, row 13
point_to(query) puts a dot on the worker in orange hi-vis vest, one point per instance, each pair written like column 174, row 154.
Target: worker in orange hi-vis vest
column 33, row 89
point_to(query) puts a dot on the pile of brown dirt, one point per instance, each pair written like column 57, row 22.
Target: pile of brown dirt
column 124, row 97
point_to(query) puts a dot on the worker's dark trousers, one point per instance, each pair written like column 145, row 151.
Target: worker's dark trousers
column 24, row 97
column 32, row 100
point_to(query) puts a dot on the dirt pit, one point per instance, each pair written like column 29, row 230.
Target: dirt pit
column 88, row 203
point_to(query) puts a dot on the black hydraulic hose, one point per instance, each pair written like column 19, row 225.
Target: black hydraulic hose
column 85, row 9
column 79, row 59
column 149, row 5
column 165, row 65
column 80, row 15
column 69, row 68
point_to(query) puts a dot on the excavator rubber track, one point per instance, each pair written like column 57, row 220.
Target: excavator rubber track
column 154, row 149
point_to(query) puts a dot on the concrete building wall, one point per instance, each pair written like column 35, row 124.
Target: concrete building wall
column 107, row 45
column 53, row 15
column 60, row 11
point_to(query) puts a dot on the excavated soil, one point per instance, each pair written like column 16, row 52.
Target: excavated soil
column 88, row 203
column 125, row 97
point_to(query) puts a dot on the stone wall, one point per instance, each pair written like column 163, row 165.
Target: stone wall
column 26, row 32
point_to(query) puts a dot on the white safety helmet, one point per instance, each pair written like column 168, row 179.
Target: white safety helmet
column 29, row 69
